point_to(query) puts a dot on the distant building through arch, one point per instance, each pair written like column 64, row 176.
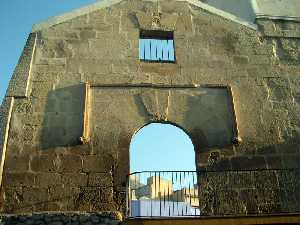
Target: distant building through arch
column 162, row 167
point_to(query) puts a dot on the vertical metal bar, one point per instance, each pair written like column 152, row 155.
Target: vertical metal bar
column 150, row 50
column 185, row 195
column 134, row 186
column 164, row 197
column 184, row 190
column 168, row 51
column 180, row 185
column 128, row 191
column 194, row 187
column 180, row 178
column 177, row 195
column 173, row 193
column 144, row 53
column 156, row 55
column 151, row 210
column 190, row 194
column 154, row 186
column 155, row 189
column 182, row 197
column 169, row 198
column 159, row 193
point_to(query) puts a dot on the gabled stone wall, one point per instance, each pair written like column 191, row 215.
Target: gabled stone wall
column 247, row 79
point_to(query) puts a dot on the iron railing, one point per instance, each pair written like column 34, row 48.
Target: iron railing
column 211, row 193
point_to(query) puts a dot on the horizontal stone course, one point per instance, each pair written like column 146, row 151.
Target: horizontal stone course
column 258, row 192
column 104, row 218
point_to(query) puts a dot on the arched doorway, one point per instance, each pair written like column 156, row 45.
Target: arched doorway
column 163, row 179
column 161, row 147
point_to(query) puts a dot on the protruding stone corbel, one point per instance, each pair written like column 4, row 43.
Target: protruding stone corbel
column 237, row 140
column 84, row 139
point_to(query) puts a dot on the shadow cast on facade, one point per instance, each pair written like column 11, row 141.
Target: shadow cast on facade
column 63, row 121
column 211, row 119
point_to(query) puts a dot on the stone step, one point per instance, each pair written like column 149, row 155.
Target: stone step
column 289, row 219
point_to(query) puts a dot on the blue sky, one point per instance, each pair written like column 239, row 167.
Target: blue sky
column 161, row 147
column 16, row 20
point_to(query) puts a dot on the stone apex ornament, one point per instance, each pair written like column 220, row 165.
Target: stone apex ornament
column 156, row 20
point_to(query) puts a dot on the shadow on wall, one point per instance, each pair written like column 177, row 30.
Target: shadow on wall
column 63, row 120
column 276, row 156
column 213, row 115
column 252, row 192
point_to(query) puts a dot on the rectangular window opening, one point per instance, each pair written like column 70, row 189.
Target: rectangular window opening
column 157, row 46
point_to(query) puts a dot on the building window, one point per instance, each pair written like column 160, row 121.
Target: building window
column 157, row 46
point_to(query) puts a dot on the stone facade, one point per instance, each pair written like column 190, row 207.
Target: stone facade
column 80, row 93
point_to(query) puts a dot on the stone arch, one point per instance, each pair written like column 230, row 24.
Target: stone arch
column 162, row 122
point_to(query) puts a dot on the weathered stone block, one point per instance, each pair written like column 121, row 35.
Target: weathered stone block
column 47, row 179
column 251, row 162
column 163, row 69
column 220, row 165
column 291, row 160
column 80, row 22
column 227, row 203
column 260, row 60
column 44, row 163
column 41, row 89
column 70, row 163
column 95, row 197
column 28, row 133
column 274, row 162
column 94, row 163
column 19, row 179
column 100, row 179
column 47, row 68
column 265, row 180
column 17, row 163
column 34, row 196
column 87, row 34
column 74, row 179
column 249, row 198
column 129, row 21
column 58, row 193
column 240, row 59
column 51, row 61
column 183, row 24
column 23, row 106
column 144, row 20
column 102, row 29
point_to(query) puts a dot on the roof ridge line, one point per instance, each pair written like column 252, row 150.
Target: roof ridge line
column 262, row 15
column 72, row 14
column 222, row 13
column 106, row 3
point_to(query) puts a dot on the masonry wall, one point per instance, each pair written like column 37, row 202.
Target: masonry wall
column 233, row 89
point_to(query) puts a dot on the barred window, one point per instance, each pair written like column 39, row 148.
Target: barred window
column 157, row 46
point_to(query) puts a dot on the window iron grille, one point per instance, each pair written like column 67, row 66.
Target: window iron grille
column 156, row 46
